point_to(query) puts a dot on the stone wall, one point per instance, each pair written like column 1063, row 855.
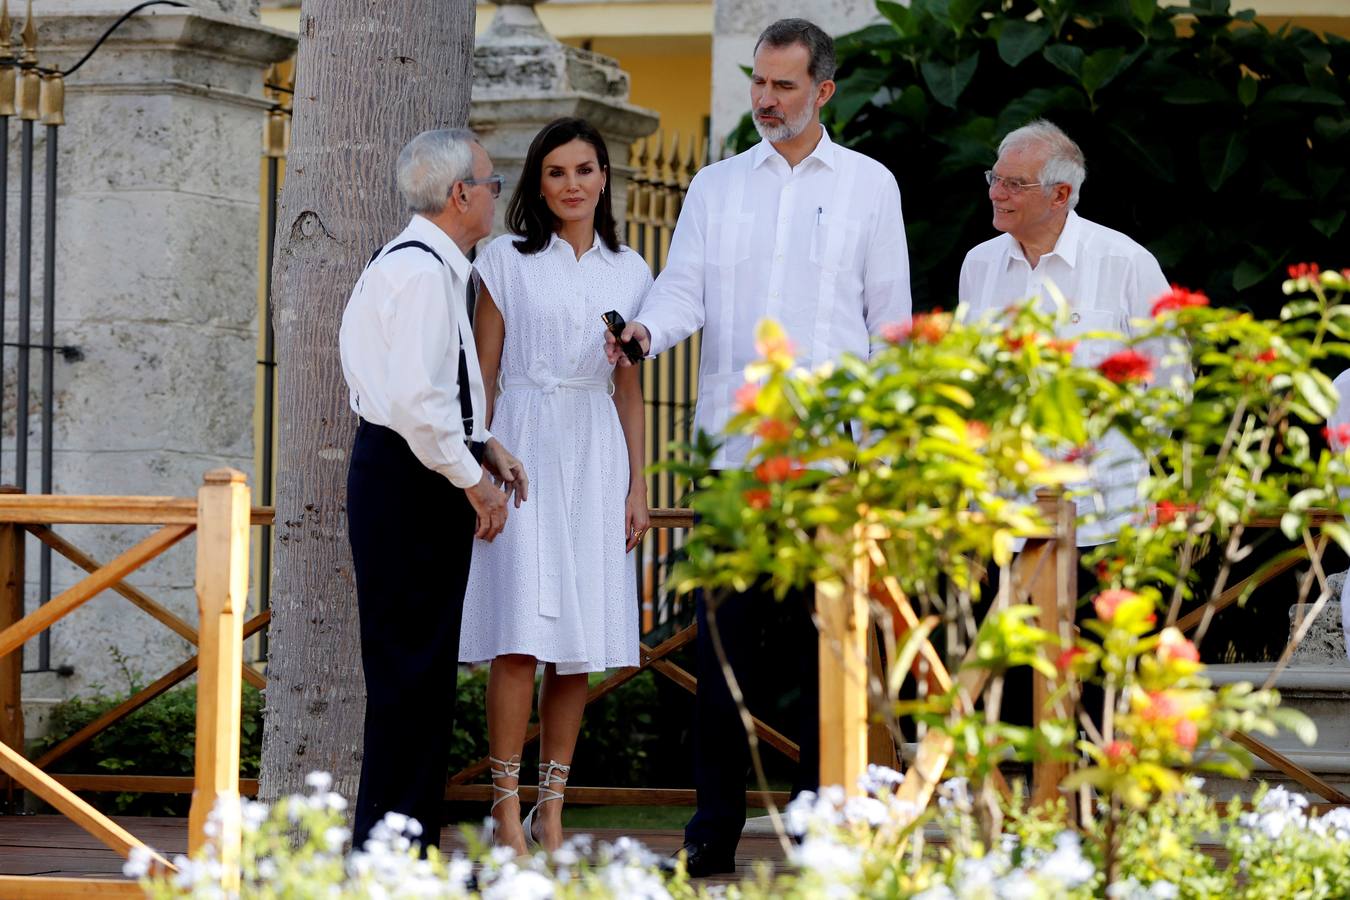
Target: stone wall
column 156, row 285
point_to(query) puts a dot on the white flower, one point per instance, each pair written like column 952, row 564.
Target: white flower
column 1335, row 824
column 319, row 781
column 828, row 858
column 252, row 814
column 138, row 862
column 865, row 809
column 1065, row 863
column 515, row 884
column 1163, row 890
column 334, row 838
column 954, row 793
column 880, row 779
column 936, row 892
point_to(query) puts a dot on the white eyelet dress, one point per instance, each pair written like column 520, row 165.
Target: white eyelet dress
column 557, row 583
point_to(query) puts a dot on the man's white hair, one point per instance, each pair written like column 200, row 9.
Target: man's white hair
column 1064, row 163
column 430, row 163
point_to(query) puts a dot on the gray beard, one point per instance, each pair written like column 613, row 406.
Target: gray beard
column 788, row 130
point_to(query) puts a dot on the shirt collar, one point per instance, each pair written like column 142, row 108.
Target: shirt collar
column 597, row 246
column 430, row 234
column 1066, row 245
column 825, row 151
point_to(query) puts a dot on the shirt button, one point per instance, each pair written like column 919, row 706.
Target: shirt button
column 1075, row 318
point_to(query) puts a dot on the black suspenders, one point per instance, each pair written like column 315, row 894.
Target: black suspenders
column 465, row 403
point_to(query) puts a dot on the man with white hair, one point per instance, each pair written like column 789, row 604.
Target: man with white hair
column 417, row 494
column 809, row 233
column 1108, row 281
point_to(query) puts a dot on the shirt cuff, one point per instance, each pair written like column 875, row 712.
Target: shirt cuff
column 464, row 472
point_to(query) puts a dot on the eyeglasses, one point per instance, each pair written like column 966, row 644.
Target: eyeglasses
column 494, row 183
column 1016, row 187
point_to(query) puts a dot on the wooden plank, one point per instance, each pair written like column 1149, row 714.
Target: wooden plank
column 38, row 621
column 671, row 518
column 1281, row 563
column 135, row 595
column 610, row 796
column 23, row 887
column 222, row 597
column 148, row 784
column 1054, row 588
column 71, row 806
column 11, row 665
column 76, row 509
column 1288, row 767
column 842, row 614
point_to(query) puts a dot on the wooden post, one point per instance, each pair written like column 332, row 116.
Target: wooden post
column 11, row 666
column 1054, row 591
column 222, row 594
column 842, row 610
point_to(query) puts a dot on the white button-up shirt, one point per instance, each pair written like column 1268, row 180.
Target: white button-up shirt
column 820, row 248
column 400, row 340
column 1108, row 281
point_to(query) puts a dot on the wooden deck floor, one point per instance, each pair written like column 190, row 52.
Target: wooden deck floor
column 52, row 845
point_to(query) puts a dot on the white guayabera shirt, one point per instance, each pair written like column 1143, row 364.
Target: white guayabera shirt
column 820, row 248
column 1339, row 418
column 1108, row 281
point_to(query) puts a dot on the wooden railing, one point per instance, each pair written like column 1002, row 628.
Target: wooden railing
column 220, row 515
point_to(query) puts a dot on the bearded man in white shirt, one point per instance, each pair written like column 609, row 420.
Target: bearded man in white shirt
column 1109, row 283
column 417, row 494
column 803, row 231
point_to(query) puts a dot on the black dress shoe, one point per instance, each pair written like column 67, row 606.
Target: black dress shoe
column 702, row 860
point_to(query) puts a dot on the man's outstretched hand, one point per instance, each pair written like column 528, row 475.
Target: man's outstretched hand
column 632, row 330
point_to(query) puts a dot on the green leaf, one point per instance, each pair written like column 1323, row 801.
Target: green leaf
column 1247, row 90
column 855, row 92
column 1144, row 10
column 1067, row 58
column 1221, row 155
column 1019, row 39
column 1102, row 67
column 1297, row 93
column 897, row 15
column 1196, row 91
column 947, row 82
column 1322, row 401
column 1329, row 225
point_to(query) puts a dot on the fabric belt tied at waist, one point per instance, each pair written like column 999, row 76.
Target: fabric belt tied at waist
column 559, row 587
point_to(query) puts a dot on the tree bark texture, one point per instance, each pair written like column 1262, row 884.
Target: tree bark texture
column 370, row 75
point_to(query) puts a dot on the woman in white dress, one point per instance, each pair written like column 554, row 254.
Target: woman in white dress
column 557, row 585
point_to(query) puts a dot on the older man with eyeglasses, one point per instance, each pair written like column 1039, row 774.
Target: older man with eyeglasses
column 1108, row 282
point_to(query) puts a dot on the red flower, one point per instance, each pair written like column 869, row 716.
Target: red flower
column 1185, row 733
column 977, row 431
column 774, row 430
column 1078, row 454
column 1064, row 662
column 1161, row 706
column 1168, row 512
column 778, row 468
column 1107, row 602
column 746, row 395
column 895, row 332
column 1118, row 752
column 1127, row 365
column 1173, row 645
column 1178, row 298
column 757, row 498
column 1268, row 356
column 1304, row 270
column 1014, row 342
column 1338, row 437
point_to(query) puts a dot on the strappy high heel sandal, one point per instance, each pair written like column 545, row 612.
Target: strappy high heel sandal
column 551, row 773
column 504, row 768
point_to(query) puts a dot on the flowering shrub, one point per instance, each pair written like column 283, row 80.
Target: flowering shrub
column 862, row 846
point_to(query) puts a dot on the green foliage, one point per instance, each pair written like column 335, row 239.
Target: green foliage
column 624, row 740
column 157, row 739
column 1220, row 145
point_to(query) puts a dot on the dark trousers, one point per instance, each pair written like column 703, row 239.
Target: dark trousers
column 772, row 648
column 411, row 533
